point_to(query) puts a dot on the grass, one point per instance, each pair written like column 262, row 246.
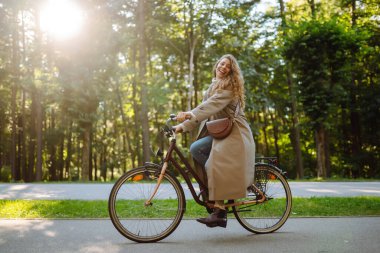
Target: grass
column 68, row 209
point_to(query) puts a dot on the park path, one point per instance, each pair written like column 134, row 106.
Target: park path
column 94, row 191
column 298, row 235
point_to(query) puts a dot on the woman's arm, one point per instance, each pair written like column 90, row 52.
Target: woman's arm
column 207, row 108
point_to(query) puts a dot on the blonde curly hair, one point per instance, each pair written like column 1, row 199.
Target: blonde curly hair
column 235, row 79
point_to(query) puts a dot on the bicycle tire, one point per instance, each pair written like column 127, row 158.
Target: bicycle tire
column 141, row 223
column 270, row 215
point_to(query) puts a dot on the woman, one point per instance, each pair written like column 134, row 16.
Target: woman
column 229, row 162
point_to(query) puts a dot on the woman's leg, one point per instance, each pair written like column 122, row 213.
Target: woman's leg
column 218, row 218
column 201, row 149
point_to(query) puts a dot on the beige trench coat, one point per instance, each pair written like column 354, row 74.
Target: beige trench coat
column 230, row 167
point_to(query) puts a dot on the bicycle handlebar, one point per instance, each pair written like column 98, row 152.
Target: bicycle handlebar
column 172, row 118
column 168, row 129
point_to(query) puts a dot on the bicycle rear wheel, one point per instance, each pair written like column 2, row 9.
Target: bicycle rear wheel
column 141, row 223
column 270, row 215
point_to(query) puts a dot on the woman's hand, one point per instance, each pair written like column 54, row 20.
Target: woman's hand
column 178, row 128
column 182, row 116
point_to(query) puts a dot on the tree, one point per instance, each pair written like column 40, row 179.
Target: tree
column 319, row 52
column 140, row 26
column 295, row 131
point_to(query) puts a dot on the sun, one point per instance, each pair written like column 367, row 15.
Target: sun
column 61, row 18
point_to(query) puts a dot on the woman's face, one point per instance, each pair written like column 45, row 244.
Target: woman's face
column 223, row 68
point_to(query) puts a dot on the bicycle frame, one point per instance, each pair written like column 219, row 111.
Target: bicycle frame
column 189, row 169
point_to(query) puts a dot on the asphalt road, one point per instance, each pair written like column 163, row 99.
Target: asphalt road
column 92, row 191
column 319, row 235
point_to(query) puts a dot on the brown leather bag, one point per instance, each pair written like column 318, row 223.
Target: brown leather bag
column 221, row 128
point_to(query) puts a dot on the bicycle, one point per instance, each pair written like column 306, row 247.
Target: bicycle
column 147, row 203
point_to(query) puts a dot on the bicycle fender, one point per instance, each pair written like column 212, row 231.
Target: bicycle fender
column 155, row 165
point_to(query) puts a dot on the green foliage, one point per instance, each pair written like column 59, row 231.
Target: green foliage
column 320, row 52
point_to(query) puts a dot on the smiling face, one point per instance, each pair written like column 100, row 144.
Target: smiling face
column 223, row 69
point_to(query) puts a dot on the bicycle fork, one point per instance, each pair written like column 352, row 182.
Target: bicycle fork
column 163, row 170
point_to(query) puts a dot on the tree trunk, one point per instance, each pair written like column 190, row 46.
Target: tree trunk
column 91, row 154
column 52, row 149
column 327, row 154
column 191, row 76
column 24, row 168
column 37, row 62
column 23, row 151
column 142, row 79
column 195, row 83
column 60, row 156
column 312, row 8
column 103, row 156
column 192, row 43
column 125, row 154
column 296, row 144
column 79, row 157
column 136, row 122
column 126, row 131
column 356, row 141
column 275, row 135
column 103, row 168
column 264, row 129
column 353, row 13
column 21, row 167
column 39, row 126
column 95, row 162
column 15, row 80
column 192, row 40
column 18, row 149
column 32, row 137
column 320, row 137
column 295, row 130
column 69, row 151
column 85, row 175
column 90, row 170
column 113, row 161
column 136, row 113
column 260, row 147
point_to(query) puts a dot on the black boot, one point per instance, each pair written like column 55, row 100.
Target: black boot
column 217, row 218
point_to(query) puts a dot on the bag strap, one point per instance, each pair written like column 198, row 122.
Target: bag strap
column 237, row 109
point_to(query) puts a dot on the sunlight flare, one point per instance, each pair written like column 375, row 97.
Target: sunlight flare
column 61, row 18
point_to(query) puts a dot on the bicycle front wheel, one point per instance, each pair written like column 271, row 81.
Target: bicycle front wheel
column 140, row 222
column 270, row 215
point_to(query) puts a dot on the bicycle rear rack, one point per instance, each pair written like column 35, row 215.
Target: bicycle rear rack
column 270, row 160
